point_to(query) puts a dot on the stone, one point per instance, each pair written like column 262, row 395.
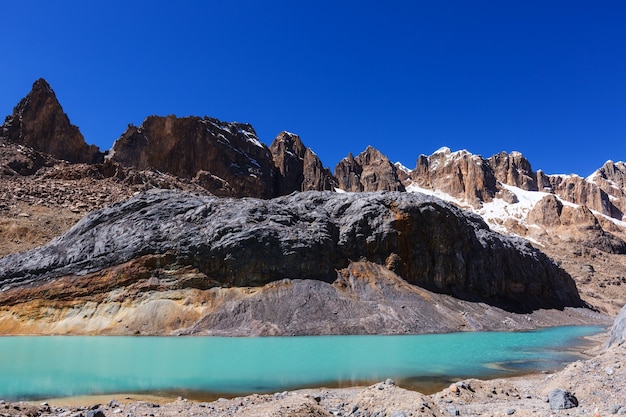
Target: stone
column 460, row 174
column 299, row 168
column 369, row 171
column 618, row 330
column 230, row 152
column 309, row 235
column 95, row 413
column 453, row 411
column 510, row 411
column 561, row 400
column 38, row 121
column 390, row 381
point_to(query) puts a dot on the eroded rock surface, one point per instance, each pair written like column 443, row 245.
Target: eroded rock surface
column 299, row 167
column 187, row 146
column 245, row 242
column 38, row 121
column 369, row 171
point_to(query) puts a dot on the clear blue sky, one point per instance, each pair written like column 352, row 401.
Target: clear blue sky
column 547, row 78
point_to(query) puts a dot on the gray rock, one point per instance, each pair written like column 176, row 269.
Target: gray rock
column 398, row 414
column 309, row 235
column 621, row 411
column 560, row 399
column 614, row 408
column 390, row 381
column 453, row 411
column 95, row 413
column 618, row 331
column 510, row 411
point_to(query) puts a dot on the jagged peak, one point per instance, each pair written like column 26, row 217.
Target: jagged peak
column 42, row 84
column 402, row 167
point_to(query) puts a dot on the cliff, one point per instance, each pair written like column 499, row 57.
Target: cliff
column 38, row 121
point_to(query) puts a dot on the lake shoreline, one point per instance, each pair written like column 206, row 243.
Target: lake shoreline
column 596, row 381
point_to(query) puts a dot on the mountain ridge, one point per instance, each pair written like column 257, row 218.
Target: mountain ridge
column 576, row 221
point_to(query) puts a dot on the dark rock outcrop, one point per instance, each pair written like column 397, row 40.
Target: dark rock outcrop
column 300, row 169
column 369, row 171
column 189, row 146
column 38, row 121
column 310, row 235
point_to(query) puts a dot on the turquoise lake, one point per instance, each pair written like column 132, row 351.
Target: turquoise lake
column 57, row 366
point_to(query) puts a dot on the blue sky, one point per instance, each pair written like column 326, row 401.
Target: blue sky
column 547, row 78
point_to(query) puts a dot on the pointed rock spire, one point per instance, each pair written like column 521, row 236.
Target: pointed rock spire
column 38, row 121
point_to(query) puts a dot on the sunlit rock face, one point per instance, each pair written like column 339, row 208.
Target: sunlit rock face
column 369, row 171
column 38, row 121
column 227, row 157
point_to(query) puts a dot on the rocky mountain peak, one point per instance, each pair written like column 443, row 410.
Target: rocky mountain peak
column 514, row 169
column 38, row 121
column 226, row 158
column 369, row 171
column 299, row 168
column 459, row 174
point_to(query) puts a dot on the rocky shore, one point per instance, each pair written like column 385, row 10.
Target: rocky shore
column 597, row 385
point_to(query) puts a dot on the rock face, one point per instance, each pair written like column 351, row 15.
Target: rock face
column 459, row 174
column 227, row 156
column 299, row 167
column 618, row 331
column 369, row 171
column 306, row 236
column 513, row 169
column 38, row 121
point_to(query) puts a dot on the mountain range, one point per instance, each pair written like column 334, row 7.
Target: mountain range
column 50, row 178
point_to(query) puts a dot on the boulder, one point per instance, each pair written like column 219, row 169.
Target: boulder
column 561, row 400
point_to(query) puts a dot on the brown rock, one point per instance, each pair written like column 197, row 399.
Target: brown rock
column 185, row 146
column 513, row 169
column 38, row 121
column 547, row 212
column 369, row 171
column 459, row 174
column 299, row 167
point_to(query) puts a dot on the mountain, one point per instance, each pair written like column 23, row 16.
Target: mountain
column 226, row 158
column 38, row 121
column 369, row 171
column 413, row 250
column 299, row 168
column 577, row 222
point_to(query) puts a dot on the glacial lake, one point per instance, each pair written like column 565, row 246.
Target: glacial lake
column 36, row 367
